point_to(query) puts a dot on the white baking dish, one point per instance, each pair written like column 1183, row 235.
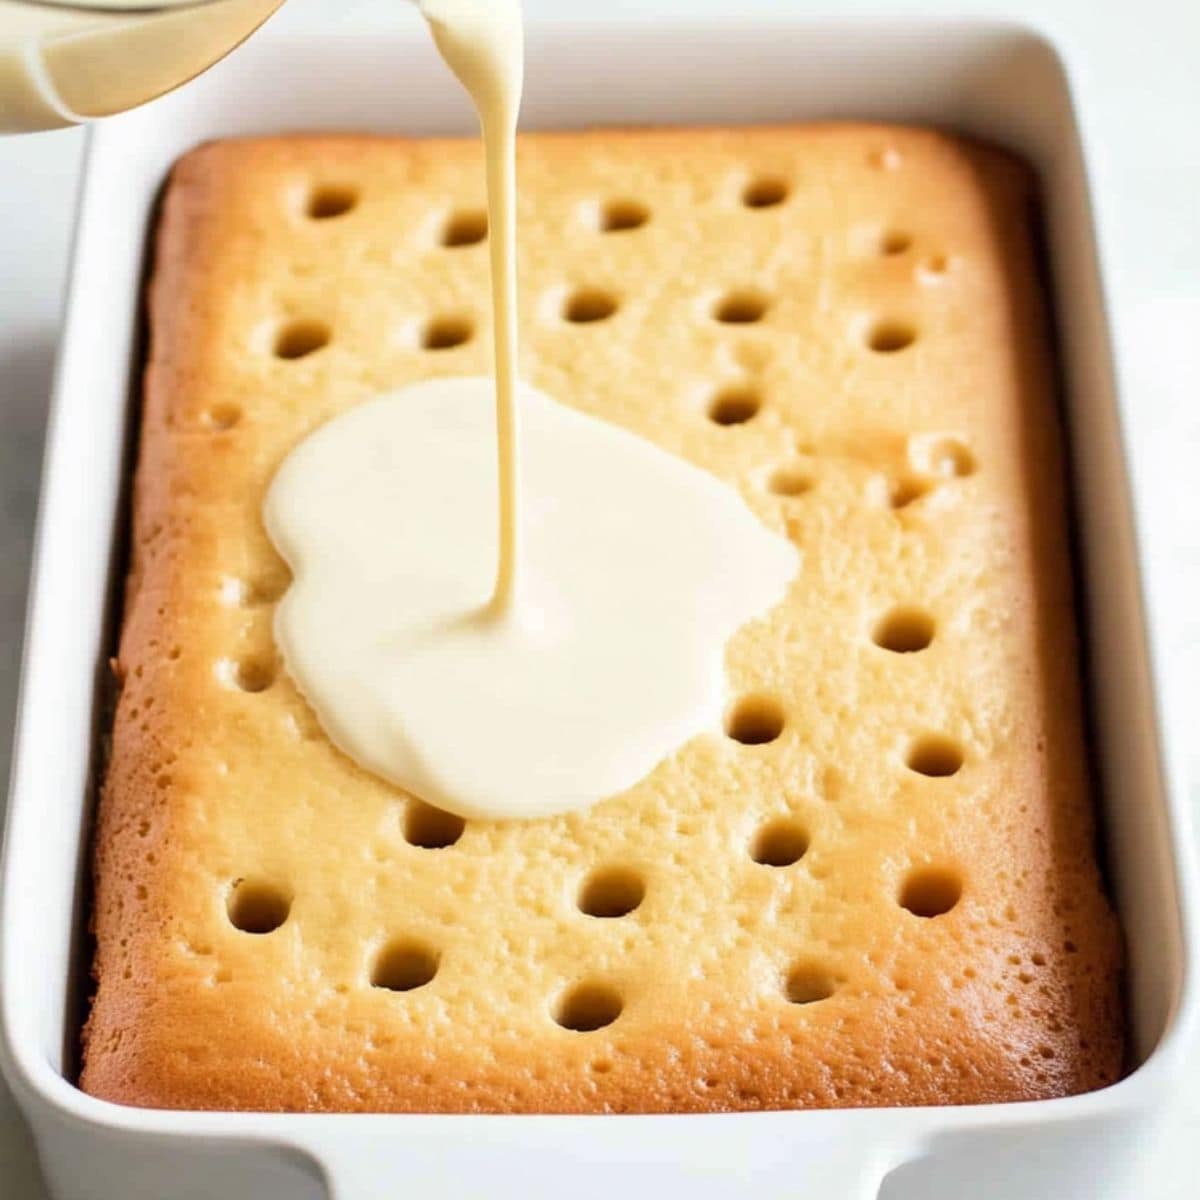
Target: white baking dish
column 997, row 81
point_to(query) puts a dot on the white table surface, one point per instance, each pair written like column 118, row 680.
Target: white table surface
column 1139, row 81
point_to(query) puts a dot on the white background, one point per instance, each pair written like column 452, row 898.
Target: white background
column 1138, row 75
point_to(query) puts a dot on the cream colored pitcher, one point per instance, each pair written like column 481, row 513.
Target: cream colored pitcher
column 66, row 62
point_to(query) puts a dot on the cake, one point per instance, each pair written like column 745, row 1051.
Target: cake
column 877, row 884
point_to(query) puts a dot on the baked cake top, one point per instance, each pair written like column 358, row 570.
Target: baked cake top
column 877, row 885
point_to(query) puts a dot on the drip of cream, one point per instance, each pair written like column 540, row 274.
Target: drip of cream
column 639, row 567
column 493, row 675
column 482, row 43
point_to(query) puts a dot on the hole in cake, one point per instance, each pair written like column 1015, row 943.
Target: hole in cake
column 779, row 843
column 467, row 227
column 755, row 720
column 616, row 216
column 904, row 630
column 951, row 458
column 222, row 416
column 331, row 200
column 740, row 308
column 403, row 966
column 264, row 589
column 611, row 892
column 734, row 405
column 807, row 983
column 935, row 265
column 931, row 891
column 907, row 490
column 255, row 906
column 789, row 481
column 269, row 587
column 588, row 1006
column 935, row 756
column 894, row 241
column 586, row 305
column 765, row 192
column 431, row 828
column 889, row 336
column 298, row 339
column 251, row 674
column 444, row 333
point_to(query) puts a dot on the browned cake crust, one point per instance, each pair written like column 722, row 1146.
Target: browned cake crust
column 893, row 901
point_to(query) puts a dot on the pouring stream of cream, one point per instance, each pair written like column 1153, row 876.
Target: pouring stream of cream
column 482, row 43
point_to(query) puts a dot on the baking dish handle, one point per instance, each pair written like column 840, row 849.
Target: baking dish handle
column 711, row 1163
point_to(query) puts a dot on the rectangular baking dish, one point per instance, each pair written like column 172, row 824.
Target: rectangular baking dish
column 998, row 81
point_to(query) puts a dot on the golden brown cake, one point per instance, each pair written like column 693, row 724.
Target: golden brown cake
column 877, row 885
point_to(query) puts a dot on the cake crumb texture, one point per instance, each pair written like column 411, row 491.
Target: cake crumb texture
column 876, row 885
